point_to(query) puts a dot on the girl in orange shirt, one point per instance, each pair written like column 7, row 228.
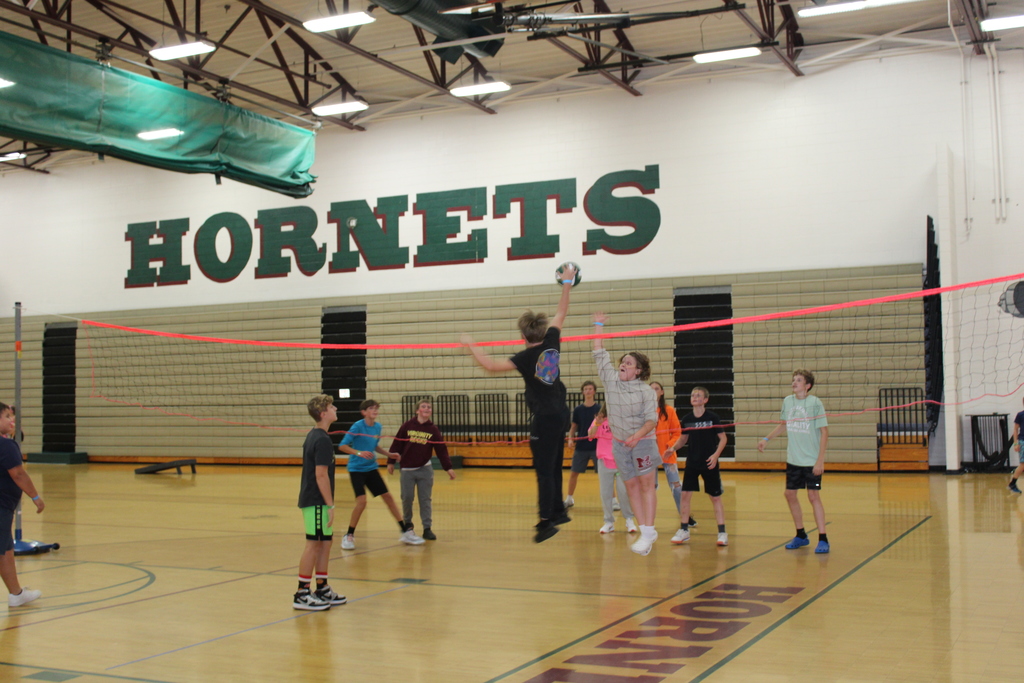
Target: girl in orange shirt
column 668, row 432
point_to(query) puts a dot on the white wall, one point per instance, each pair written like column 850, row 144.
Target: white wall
column 757, row 173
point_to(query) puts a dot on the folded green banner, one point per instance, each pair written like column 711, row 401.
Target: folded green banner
column 62, row 100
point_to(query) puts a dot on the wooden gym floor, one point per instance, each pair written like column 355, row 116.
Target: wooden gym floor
column 183, row 578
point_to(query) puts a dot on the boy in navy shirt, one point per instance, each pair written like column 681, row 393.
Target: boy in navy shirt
column 13, row 481
column 1018, row 433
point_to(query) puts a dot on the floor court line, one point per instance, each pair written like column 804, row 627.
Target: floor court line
column 124, row 604
column 654, row 604
column 697, row 585
column 743, row 648
column 114, row 677
column 246, row 630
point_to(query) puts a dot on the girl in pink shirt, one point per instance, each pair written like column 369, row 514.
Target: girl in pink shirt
column 608, row 474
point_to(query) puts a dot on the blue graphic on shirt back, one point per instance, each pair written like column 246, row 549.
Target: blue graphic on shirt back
column 547, row 366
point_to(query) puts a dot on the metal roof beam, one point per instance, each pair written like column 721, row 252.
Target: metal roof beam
column 973, row 13
column 184, row 67
column 260, row 7
column 596, row 67
column 768, row 39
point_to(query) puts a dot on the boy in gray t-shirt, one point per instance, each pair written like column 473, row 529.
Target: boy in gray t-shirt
column 803, row 419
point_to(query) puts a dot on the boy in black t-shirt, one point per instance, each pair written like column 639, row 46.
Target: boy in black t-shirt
column 702, row 431
column 538, row 364
column 316, row 500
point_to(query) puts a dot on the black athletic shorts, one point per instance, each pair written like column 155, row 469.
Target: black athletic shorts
column 6, row 534
column 712, row 480
column 368, row 480
column 801, row 478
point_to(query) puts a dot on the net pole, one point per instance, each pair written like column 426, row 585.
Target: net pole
column 17, row 370
column 17, row 405
column 22, row 547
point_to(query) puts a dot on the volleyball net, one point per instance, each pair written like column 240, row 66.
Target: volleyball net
column 879, row 361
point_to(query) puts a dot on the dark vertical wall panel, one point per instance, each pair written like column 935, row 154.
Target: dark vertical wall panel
column 343, row 368
column 59, row 389
column 704, row 357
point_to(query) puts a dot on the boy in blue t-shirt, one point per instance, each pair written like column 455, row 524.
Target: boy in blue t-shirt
column 362, row 443
column 1018, row 433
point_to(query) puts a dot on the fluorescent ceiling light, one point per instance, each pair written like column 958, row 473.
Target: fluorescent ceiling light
column 5, row 83
column 340, row 108
column 723, row 55
column 848, row 7
column 480, row 89
column 1003, row 23
column 184, row 50
column 13, row 156
column 160, row 134
column 338, row 21
column 470, row 9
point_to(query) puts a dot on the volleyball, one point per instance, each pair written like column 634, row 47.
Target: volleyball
column 558, row 273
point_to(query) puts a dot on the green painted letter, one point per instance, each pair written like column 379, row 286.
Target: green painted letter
column 639, row 213
column 206, row 246
column 274, row 239
column 378, row 243
column 439, row 227
column 172, row 271
column 534, row 240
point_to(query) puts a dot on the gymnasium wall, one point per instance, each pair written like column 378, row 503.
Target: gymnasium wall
column 714, row 177
column 853, row 353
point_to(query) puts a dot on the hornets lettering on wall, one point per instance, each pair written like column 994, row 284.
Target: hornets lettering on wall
column 361, row 234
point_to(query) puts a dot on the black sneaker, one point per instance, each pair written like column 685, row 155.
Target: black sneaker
column 429, row 535
column 308, row 601
column 545, row 530
column 692, row 522
column 328, row 595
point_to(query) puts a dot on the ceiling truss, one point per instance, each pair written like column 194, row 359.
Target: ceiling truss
column 275, row 65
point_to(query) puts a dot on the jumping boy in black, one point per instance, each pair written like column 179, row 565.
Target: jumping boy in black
column 545, row 396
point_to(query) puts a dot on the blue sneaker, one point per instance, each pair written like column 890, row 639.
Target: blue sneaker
column 797, row 542
column 1013, row 487
column 822, row 547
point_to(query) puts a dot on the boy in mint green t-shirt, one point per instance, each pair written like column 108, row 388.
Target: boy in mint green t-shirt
column 803, row 420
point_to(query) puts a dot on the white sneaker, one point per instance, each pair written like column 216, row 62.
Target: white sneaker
column 723, row 538
column 569, row 502
column 607, row 528
column 682, row 537
column 26, row 596
column 410, row 538
column 643, row 546
column 631, row 526
column 348, row 542
column 615, row 505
